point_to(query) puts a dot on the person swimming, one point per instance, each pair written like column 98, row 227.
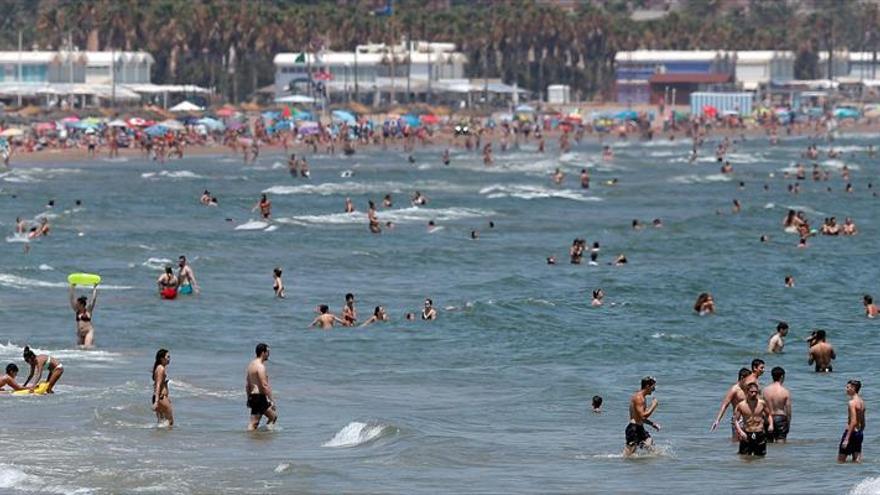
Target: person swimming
column 598, row 296
column 705, row 304
column 379, row 314
column 429, row 313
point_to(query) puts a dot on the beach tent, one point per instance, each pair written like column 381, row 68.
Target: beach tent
column 186, row 106
column 344, row 116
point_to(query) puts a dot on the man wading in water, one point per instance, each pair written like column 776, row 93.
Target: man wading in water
column 636, row 436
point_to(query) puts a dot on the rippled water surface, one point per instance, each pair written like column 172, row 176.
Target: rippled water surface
column 490, row 398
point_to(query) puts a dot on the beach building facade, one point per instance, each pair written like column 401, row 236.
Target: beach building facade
column 755, row 69
column 77, row 78
column 654, row 76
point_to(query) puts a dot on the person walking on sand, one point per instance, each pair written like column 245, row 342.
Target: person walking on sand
column 258, row 390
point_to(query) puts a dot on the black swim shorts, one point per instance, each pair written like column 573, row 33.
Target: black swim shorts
column 258, row 403
column 855, row 443
column 754, row 444
column 780, row 428
column 636, row 435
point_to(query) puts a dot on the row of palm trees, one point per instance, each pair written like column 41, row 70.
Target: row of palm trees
column 229, row 44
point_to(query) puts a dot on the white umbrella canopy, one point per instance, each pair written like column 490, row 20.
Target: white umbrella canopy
column 186, row 106
column 294, row 99
column 117, row 123
column 11, row 132
column 172, row 125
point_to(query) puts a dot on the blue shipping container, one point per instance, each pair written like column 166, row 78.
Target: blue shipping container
column 741, row 103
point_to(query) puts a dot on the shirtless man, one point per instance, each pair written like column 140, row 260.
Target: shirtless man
column 429, row 313
column 757, row 371
column 749, row 418
column 325, row 318
column 639, row 414
column 777, row 340
column 778, row 399
column 871, row 310
column 851, row 441
column 259, row 393
column 167, row 284
column 349, row 313
column 9, row 379
column 186, row 279
column 734, row 396
column 821, row 353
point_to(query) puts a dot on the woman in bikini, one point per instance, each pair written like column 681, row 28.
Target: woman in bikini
column 83, row 309
column 41, row 362
column 161, row 399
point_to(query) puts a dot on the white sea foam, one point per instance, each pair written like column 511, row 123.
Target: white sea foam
column 356, row 433
column 699, row 179
column 252, row 225
column 868, row 486
column 44, row 267
column 17, row 282
column 402, row 215
column 356, row 188
column 156, row 263
column 18, row 238
column 177, row 174
column 194, row 390
column 14, row 351
column 12, row 478
column 533, row 192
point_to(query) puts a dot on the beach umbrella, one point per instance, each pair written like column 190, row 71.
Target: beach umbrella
column 234, row 125
column 117, row 123
column 186, row 106
column 172, row 125
column 11, row 132
column 91, row 120
column 286, row 113
column 301, row 115
column 226, row 112
column 156, row 130
column 626, row 115
column 212, row 124
column 344, row 116
column 846, row 113
column 72, row 118
column 410, row 120
column 44, row 126
column 270, row 115
column 429, row 119
column 137, row 122
column 525, row 109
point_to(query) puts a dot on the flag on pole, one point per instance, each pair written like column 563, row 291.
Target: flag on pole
column 301, row 58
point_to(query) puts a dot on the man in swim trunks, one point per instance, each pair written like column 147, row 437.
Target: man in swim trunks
column 9, row 379
column 639, row 414
column 258, row 390
column 734, row 396
column 851, row 441
column 821, row 353
column 749, row 418
column 349, row 313
column 777, row 340
column 778, row 399
column 186, row 279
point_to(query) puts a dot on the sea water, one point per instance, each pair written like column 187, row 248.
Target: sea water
column 493, row 397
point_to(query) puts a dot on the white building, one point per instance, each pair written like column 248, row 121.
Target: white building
column 759, row 67
column 418, row 66
column 129, row 67
column 38, row 67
